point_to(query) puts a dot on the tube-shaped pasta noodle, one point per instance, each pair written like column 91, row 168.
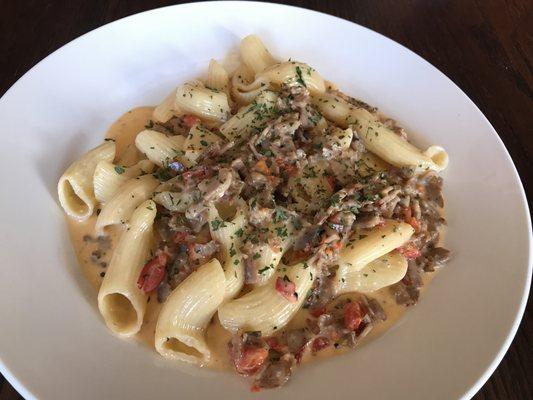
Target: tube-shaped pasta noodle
column 243, row 87
column 159, row 148
column 165, row 110
column 255, row 55
column 202, row 102
column 75, row 187
column 363, row 249
column 217, row 77
column 264, row 308
column 379, row 139
column 250, row 119
column 315, row 183
column 229, row 232
column 266, row 256
column 180, row 330
column 108, row 177
column 120, row 301
column 197, row 141
column 175, row 201
column 290, row 73
column 130, row 156
column 121, row 206
column 369, row 163
column 382, row 272
column 341, row 138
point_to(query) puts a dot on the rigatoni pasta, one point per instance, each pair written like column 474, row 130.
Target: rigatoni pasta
column 203, row 102
column 180, row 331
column 260, row 216
column 108, row 177
column 159, row 148
column 120, row 301
column 75, row 188
column 121, row 206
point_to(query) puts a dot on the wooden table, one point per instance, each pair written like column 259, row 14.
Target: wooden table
column 485, row 47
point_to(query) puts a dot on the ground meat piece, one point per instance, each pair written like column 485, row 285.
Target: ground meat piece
column 277, row 373
column 433, row 187
column 213, row 189
column 309, row 239
column 368, row 221
column 296, row 339
column 374, row 309
column 163, row 228
column 404, row 295
column 201, row 253
column 163, row 291
column 434, row 257
column 321, row 293
column 412, row 277
column 260, row 216
column 357, row 146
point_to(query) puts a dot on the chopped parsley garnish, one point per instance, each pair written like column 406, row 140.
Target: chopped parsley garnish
column 299, row 78
column 279, row 215
column 263, row 270
column 335, row 200
column 217, row 224
column 232, row 250
column 119, row 170
column 281, row 231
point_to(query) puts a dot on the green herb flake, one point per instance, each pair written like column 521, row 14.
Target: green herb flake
column 217, row 224
column 299, row 78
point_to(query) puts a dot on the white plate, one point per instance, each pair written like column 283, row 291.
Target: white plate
column 53, row 343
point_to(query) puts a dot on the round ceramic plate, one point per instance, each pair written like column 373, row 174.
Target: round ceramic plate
column 53, row 342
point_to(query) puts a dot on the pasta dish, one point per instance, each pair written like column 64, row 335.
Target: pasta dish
column 256, row 219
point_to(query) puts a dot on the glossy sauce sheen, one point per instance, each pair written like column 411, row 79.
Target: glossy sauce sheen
column 124, row 131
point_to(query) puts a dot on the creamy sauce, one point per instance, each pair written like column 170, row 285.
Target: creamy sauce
column 123, row 131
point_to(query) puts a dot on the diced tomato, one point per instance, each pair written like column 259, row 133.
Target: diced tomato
column 331, row 180
column 409, row 251
column 190, row 120
column 275, row 345
column 153, row 273
column 353, row 315
column 287, row 289
column 317, row 312
column 319, row 343
column 251, row 360
column 414, row 223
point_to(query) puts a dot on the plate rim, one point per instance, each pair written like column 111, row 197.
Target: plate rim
column 504, row 347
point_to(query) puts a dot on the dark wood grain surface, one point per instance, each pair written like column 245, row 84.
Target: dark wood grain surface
column 485, row 47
